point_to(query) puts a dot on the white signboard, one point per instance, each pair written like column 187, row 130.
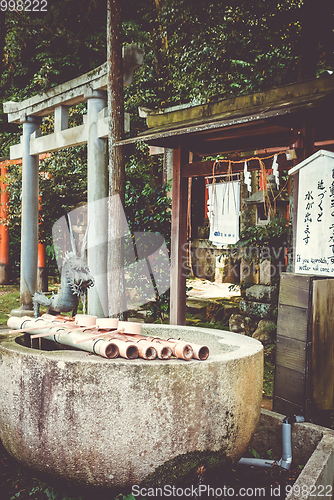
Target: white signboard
column 314, row 253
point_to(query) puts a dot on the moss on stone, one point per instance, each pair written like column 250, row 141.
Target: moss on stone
column 186, row 468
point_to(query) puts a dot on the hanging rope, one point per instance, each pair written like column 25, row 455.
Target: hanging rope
column 266, row 198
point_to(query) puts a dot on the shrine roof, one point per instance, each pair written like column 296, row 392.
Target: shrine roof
column 271, row 114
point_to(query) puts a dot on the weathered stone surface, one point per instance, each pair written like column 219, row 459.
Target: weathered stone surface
column 250, row 325
column 113, row 422
column 265, row 272
column 203, row 259
column 258, row 309
column 260, row 293
column 265, row 331
column 194, row 306
column 203, row 232
column 229, row 310
column 249, row 271
column 237, row 323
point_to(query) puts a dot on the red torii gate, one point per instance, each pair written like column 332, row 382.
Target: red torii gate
column 4, row 230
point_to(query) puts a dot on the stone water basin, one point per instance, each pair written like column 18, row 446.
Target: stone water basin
column 111, row 423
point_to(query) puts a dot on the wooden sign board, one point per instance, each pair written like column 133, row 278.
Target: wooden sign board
column 304, row 373
column 314, row 244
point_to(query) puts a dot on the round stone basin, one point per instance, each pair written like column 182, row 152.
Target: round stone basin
column 111, row 423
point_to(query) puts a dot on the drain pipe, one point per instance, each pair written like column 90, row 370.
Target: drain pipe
column 286, row 459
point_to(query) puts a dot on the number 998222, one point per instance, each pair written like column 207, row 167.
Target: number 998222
column 24, row 5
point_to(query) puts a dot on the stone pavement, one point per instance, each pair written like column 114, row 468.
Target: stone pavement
column 204, row 289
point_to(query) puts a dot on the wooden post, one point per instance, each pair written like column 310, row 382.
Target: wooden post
column 179, row 239
column 308, row 135
column 116, row 284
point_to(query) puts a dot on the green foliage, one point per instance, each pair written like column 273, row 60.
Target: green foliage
column 159, row 309
column 147, row 205
column 147, row 208
column 255, row 453
column 198, row 51
column 269, row 367
column 268, row 378
column 9, row 300
column 193, row 53
column 42, row 50
column 125, row 497
column 273, row 235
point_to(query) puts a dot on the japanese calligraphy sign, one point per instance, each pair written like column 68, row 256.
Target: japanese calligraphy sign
column 314, row 252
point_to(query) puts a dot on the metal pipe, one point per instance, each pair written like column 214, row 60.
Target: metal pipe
column 102, row 348
column 286, row 459
column 183, row 350
column 162, row 351
column 179, row 349
column 260, row 462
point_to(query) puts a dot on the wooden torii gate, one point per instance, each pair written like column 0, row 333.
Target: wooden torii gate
column 296, row 116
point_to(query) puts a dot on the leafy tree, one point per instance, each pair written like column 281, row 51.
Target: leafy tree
column 194, row 51
column 147, row 205
column 201, row 50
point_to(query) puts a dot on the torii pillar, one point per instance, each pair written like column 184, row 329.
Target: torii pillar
column 29, row 219
column 97, row 179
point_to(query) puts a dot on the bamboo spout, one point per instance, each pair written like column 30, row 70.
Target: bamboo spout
column 163, row 351
column 127, row 349
column 105, row 341
column 146, row 349
column 183, row 350
column 200, row 352
column 108, row 350
column 62, row 335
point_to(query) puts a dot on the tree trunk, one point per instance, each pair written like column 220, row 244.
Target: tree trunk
column 116, row 285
